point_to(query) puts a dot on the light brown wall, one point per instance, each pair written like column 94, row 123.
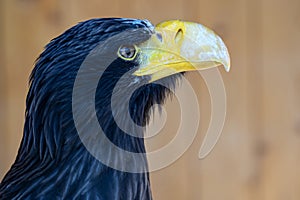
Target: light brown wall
column 258, row 155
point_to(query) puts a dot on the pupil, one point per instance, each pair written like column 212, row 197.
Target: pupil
column 128, row 52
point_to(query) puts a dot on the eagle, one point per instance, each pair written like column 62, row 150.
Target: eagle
column 113, row 70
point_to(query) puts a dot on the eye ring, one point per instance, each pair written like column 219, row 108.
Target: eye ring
column 127, row 52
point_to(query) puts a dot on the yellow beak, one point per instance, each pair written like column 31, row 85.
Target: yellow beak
column 178, row 46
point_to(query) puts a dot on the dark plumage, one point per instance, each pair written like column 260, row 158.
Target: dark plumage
column 52, row 162
column 102, row 76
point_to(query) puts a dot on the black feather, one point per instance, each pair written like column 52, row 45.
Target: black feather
column 52, row 162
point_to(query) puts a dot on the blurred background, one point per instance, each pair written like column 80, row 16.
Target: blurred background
column 258, row 154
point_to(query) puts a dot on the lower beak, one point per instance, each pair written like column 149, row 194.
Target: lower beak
column 178, row 46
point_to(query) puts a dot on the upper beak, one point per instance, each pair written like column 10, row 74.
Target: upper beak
column 178, row 46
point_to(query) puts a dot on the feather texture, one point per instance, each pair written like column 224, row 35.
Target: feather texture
column 52, row 162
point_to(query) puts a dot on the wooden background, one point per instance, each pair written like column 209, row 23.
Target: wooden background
column 258, row 155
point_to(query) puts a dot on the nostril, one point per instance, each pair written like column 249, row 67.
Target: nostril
column 159, row 36
column 178, row 35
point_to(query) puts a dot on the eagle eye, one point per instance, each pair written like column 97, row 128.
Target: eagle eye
column 127, row 52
